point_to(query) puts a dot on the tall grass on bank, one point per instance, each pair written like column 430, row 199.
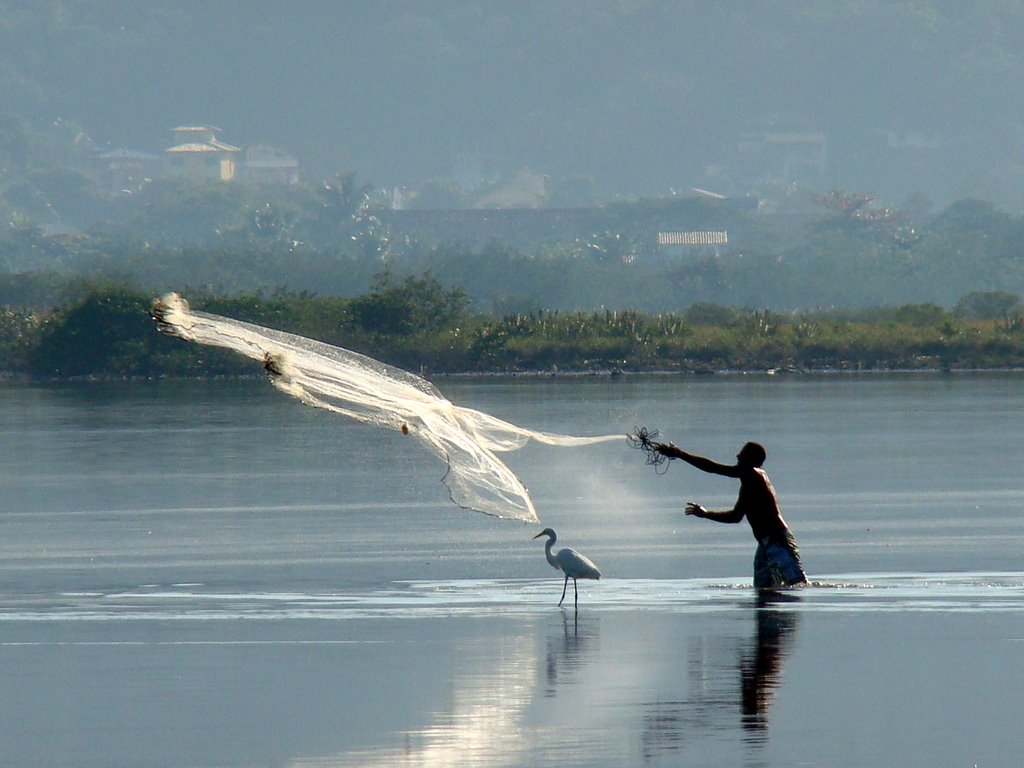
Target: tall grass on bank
column 420, row 327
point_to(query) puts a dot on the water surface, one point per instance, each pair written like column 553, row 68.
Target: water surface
column 209, row 574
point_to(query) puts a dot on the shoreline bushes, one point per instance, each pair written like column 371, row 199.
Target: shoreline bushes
column 418, row 325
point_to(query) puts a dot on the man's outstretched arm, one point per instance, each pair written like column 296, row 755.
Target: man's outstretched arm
column 724, row 516
column 704, row 465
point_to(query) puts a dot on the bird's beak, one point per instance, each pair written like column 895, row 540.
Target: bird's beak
column 538, row 535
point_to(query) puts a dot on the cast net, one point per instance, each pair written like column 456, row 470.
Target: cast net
column 357, row 386
column 646, row 440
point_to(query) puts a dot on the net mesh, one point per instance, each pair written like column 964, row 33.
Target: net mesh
column 357, row 386
column 646, row 440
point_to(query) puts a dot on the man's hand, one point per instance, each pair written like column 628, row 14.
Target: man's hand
column 666, row 449
column 696, row 510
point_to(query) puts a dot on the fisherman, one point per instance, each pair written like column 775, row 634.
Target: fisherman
column 777, row 560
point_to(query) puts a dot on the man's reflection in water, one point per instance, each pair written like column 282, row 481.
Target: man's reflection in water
column 713, row 700
column 761, row 664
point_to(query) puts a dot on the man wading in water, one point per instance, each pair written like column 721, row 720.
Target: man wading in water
column 777, row 561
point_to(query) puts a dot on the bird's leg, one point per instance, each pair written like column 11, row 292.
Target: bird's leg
column 564, row 587
column 576, row 596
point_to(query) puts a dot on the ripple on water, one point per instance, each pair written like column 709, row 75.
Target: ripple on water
column 943, row 592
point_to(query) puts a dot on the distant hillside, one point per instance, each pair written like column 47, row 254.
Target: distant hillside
column 902, row 100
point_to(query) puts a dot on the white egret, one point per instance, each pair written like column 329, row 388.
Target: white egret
column 570, row 562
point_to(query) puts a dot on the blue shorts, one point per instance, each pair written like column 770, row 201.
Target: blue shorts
column 777, row 562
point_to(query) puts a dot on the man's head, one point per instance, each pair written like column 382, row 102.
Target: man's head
column 752, row 455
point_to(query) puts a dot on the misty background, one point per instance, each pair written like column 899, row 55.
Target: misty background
column 643, row 97
column 822, row 154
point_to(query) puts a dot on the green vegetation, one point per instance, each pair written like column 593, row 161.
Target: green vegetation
column 332, row 242
column 808, row 278
column 417, row 324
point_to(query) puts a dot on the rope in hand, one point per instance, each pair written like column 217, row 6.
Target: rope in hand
column 644, row 440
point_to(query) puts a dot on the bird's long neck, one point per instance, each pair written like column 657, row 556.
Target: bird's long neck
column 549, row 554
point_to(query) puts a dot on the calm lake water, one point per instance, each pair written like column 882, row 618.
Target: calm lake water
column 211, row 574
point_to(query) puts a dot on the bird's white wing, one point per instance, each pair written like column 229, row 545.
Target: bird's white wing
column 576, row 565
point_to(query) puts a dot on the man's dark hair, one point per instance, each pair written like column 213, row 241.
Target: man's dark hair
column 756, row 452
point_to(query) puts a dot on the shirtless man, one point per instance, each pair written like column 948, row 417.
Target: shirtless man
column 777, row 560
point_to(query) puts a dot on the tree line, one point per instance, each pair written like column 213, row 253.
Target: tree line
column 847, row 253
column 414, row 322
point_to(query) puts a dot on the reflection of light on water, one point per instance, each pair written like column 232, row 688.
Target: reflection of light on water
column 486, row 723
column 679, row 669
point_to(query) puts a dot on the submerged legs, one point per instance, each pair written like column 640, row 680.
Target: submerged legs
column 565, row 586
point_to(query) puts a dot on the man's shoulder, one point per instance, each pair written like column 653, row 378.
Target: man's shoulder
column 755, row 475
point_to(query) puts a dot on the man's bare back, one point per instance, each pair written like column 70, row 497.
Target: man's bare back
column 777, row 561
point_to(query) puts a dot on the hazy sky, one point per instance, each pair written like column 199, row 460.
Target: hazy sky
column 642, row 97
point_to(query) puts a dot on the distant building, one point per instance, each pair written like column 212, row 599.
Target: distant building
column 524, row 228
column 122, row 171
column 701, row 242
column 689, row 229
column 783, row 158
column 263, row 164
column 746, row 203
column 198, row 155
column 696, row 238
column 524, row 189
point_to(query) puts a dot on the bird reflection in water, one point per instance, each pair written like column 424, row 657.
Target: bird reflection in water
column 568, row 648
column 714, row 701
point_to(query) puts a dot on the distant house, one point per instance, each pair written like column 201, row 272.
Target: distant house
column 121, row 171
column 696, row 241
column 263, row 164
column 704, row 224
column 699, row 237
column 525, row 189
column 198, row 155
column 783, row 158
column 524, row 228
